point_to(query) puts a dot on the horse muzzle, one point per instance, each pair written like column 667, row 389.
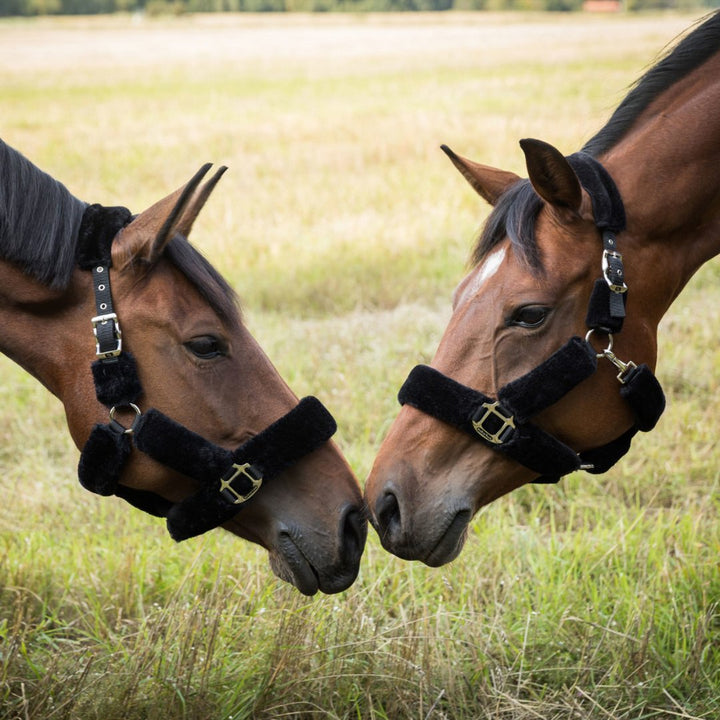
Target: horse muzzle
column 299, row 559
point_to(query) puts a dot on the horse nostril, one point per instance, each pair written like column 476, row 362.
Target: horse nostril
column 353, row 531
column 387, row 512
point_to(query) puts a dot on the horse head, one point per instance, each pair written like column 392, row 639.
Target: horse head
column 523, row 387
column 533, row 377
column 202, row 391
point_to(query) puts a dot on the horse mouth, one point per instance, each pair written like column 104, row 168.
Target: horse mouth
column 451, row 541
column 289, row 563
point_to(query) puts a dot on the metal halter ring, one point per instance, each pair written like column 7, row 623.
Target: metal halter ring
column 129, row 430
column 607, row 350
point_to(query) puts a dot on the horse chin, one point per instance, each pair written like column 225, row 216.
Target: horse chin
column 290, row 564
column 451, row 541
column 293, row 563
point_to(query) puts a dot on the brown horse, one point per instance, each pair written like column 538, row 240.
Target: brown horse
column 182, row 414
column 545, row 366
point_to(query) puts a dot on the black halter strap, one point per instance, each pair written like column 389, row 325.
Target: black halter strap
column 606, row 310
column 504, row 423
column 227, row 479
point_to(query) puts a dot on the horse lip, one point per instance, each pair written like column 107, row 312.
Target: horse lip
column 289, row 563
column 451, row 541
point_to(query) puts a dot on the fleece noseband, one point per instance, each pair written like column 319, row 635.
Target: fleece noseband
column 504, row 423
column 227, row 479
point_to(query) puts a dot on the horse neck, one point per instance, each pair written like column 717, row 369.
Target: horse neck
column 40, row 328
column 666, row 170
column 39, row 282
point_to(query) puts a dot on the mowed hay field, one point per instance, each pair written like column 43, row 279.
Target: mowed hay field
column 345, row 229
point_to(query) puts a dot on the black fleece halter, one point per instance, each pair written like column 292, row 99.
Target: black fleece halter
column 228, row 479
column 504, row 423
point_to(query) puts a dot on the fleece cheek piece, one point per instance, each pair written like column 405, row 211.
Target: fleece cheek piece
column 98, row 229
column 550, row 381
column 644, row 393
column 116, row 381
column 102, row 459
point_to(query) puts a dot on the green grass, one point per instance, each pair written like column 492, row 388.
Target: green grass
column 345, row 230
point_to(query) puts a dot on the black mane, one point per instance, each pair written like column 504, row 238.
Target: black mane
column 39, row 225
column 514, row 217
column 37, row 217
column 691, row 52
column 516, row 211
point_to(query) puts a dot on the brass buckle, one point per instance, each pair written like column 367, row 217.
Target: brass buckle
column 499, row 436
column 235, row 497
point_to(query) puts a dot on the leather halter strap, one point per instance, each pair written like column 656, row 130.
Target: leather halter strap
column 227, row 479
column 504, row 423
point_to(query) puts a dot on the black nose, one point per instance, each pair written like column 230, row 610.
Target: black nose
column 387, row 515
column 353, row 533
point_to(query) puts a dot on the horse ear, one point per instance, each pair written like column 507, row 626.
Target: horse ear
column 147, row 235
column 197, row 202
column 490, row 183
column 551, row 175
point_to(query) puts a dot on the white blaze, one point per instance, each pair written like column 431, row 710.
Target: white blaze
column 487, row 270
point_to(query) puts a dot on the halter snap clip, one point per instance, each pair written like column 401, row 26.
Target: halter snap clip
column 625, row 368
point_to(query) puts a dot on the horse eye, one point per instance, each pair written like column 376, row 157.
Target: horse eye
column 205, row 347
column 530, row 316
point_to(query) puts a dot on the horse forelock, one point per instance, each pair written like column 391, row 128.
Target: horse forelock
column 39, row 220
column 211, row 285
column 513, row 217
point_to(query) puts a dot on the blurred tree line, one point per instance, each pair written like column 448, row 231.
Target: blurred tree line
column 157, row 7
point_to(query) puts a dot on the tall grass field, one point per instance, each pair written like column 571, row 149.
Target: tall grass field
column 344, row 229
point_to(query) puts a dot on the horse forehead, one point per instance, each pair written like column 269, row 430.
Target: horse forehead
column 480, row 276
column 166, row 297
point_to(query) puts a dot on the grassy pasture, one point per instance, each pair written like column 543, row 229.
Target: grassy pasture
column 345, row 229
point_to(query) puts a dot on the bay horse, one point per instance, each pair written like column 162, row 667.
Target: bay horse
column 546, row 364
column 173, row 403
